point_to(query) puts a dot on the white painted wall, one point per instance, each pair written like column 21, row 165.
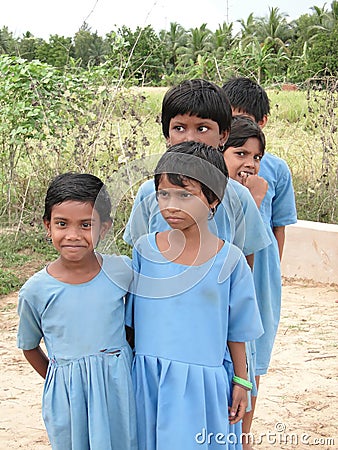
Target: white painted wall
column 311, row 252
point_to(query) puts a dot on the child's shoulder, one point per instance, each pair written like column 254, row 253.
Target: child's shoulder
column 118, row 269
column 147, row 188
column 232, row 261
column 37, row 278
column 37, row 287
column 273, row 163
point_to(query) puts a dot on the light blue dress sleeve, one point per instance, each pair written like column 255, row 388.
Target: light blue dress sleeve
column 29, row 330
column 279, row 206
column 283, row 205
column 244, row 318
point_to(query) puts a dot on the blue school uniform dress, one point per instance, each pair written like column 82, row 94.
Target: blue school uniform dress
column 237, row 220
column 182, row 371
column 88, row 398
column 277, row 209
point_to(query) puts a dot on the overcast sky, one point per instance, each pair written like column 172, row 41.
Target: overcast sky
column 64, row 17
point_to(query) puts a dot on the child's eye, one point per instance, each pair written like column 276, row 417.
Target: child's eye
column 86, row 225
column 161, row 194
column 186, row 195
column 179, row 128
column 203, row 129
column 60, row 223
column 258, row 157
column 240, row 153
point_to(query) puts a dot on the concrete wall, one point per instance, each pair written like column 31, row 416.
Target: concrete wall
column 311, row 252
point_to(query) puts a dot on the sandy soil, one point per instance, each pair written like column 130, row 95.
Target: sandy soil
column 297, row 403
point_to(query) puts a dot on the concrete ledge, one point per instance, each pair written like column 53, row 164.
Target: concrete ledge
column 311, row 252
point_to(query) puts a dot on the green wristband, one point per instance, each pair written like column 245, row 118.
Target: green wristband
column 241, row 382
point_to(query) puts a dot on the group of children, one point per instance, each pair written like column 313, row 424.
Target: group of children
column 199, row 302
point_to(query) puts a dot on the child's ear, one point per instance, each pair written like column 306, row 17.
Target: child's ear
column 214, row 203
column 167, row 140
column 46, row 224
column 223, row 137
column 263, row 122
column 105, row 227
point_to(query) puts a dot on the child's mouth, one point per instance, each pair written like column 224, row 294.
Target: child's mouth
column 244, row 173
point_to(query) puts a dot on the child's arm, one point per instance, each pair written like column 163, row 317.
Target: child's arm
column 38, row 360
column 279, row 233
column 130, row 336
column 239, row 395
column 250, row 260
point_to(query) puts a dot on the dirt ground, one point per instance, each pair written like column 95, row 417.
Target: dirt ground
column 297, row 403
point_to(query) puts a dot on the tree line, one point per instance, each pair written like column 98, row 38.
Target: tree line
column 269, row 49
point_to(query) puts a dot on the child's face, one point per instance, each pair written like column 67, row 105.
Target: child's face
column 243, row 161
column 183, row 128
column 75, row 228
column 183, row 207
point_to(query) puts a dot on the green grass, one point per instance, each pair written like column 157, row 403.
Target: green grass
column 21, row 257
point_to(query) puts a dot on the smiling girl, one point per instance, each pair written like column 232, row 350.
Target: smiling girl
column 76, row 306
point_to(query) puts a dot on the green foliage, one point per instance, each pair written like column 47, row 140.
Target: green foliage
column 57, row 52
column 89, row 48
column 29, row 251
column 9, row 282
column 323, row 56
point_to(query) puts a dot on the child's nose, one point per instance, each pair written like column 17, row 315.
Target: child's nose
column 172, row 203
column 191, row 135
column 73, row 233
column 250, row 162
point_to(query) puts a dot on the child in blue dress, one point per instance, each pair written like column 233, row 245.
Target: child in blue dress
column 198, row 110
column 278, row 209
column 76, row 305
column 192, row 306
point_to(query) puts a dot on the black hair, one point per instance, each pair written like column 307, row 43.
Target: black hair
column 199, row 98
column 243, row 128
column 81, row 187
column 194, row 161
column 247, row 97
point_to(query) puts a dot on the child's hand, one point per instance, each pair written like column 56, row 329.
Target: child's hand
column 257, row 186
column 239, row 404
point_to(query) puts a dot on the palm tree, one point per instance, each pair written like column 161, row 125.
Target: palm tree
column 326, row 20
column 223, row 39
column 248, row 29
column 7, row 42
column 199, row 42
column 172, row 41
column 274, row 29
